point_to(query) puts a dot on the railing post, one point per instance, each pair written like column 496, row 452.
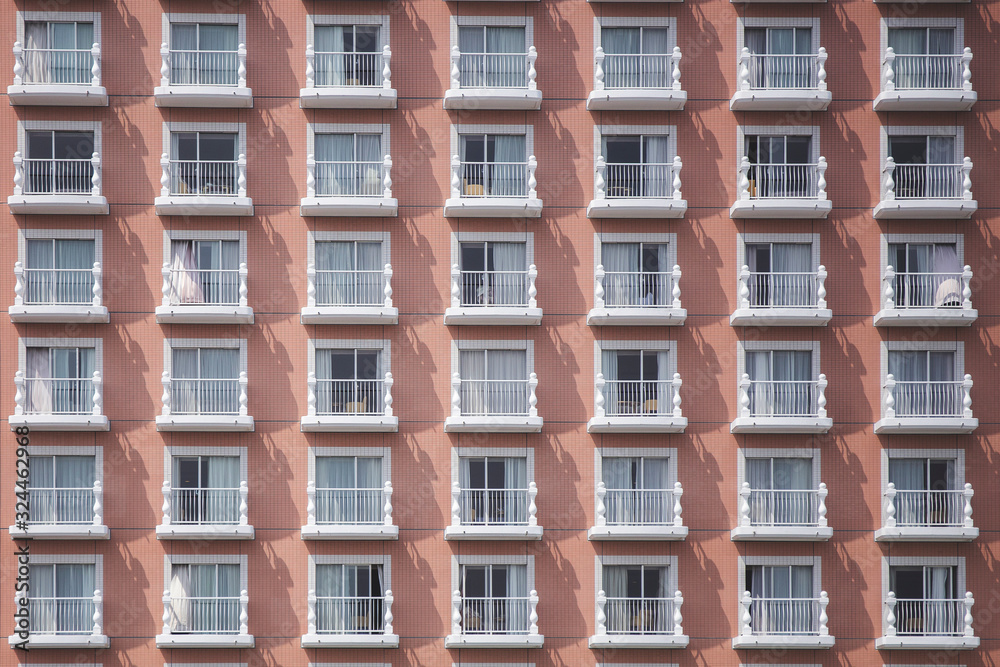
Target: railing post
column 532, row 290
column 533, row 611
column 241, row 66
column 95, row 69
column 676, row 287
column 456, row 177
column 967, row 288
column 890, row 616
column 164, row 64
column 967, row 494
column 386, row 72
column 456, row 505
column 387, row 177
column 310, row 175
column 19, row 393
column 745, row 617
column 387, row 289
column 821, row 178
column 167, row 506
column 532, row 57
column 18, row 173
column 602, row 614
column 601, row 518
column 599, row 68
column 165, row 397
column 165, row 175
column 821, row 57
column 243, row 273
column 678, row 617
column 456, row 73
column 967, row 619
column 244, row 492
column 676, row 398
column 243, row 393
column 387, row 401
column 166, row 612
column 888, row 184
column 599, row 286
column 98, row 383
column 98, row 616
column 98, row 289
column 745, row 395
column 743, row 74
column 311, row 285
column 310, row 503
column 744, row 289
column 821, row 276
column 677, row 177
column 888, row 73
column 533, row 399
column 678, row 492
column 18, row 283
column 966, row 72
column 456, row 286
column 889, row 404
column 821, row 495
column 311, row 612
column 98, row 503
column 241, row 178
column 744, row 182
column 387, row 601
column 456, row 612
column 532, row 507
column 387, row 507
column 745, row 493
column 890, row 505
column 532, row 183
column 821, row 385
column 311, row 394
column 675, row 68
column 456, row 395
column 889, row 293
column 967, row 396
column 824, row 619
column 165, row 289
column 244, row 601
column 310, row 66
column 599, row 400
column 18, row 64
column 966, row 179
column 600, row 178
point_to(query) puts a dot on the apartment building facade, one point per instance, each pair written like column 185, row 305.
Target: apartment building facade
column 499, row 333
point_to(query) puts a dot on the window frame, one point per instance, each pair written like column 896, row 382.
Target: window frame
column 601, row 453
column 888, row 562
column 172, row 127
column 886, row 346
column 170, row 452
column 957, row 455
column 69, row 450
column 600, row 561
column 743, row 562
column 169, row 344
column 169, row 560
column 23, row 17
column 170, row 18
column 885, row 240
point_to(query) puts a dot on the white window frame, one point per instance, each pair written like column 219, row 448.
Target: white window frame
column 744, row 22
column 601, row 238
column 25, row 126
column 744, row 239
column 458, row 560
column 600, row 561
column 527, row 238
column 381, row 20
column 171, row 235
column 321, row 451
column 170, row 452
column 811, row 131
column 55, row 17
column 239, row 129
column 382, row 345
column 219, row 343
column 957, row 562
column 71, row 450
column 25, row 235
column 24, row 343
column 745, row 453
column 381, row 129
column 169, row 560
column 816, row 562
column 461, row 129
column 637, row 22
column 668, row 346
column 955, row 131
column 885, row 240
column 744, row 346
column 385, row 560
column 317, row 236
column 458, row 346
column 886, row 346
column 459, row 453
column 239, row 20
column 601, row 452
column 886, row 22
column 97, row 560
column 601, row 131
column 958, row 455
column 526, row 22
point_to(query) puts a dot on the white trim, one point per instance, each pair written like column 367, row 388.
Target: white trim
column 169, row 560
column 744, row 346
column 527, row 453
column 381, row 20
column 528, row 238
column 382, row 345
column 170, row 235
column 204, row 664
column 744, row 453
column 225, row 343
column 312, row 129
column 921, row 130
column 468, row 345
column 668, row 346
column 465, row 128
column 25, row 126
column 743, row 562
column 670, row 239
column 97, row 560
column 240, row 20
column 96, row 343
column 239, row 129
column 24, row 235
column 957, row 455
column 346, row 664
column 316, row 236
column 321, row 451
column 172, row 451
column 48, row 17
column 351, row 559
column 458, row 560
column 886, row 346
column 601, row 131
column 811, row 22
column 600, row 561
column 742, row 131
column 885, row 240
column 637, row 22
column 526, row 22
column 888, row 562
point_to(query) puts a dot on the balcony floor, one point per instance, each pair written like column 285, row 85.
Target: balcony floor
column 180, row 531
column 58, row 204
column 348, row 423
column 208, row 423
column 204, row 314
column 657, row 533
column 783, row 642
column 927, row 425
column 783, row 99
column 331, row 640
column 327, row 531
column 780, row 317
column 638, row 207
column 203, row 205
column 493, row 315
column 60, row 422
column 926, row 534
column 637, row 424
column 806, row 208
column 926, row 643
column 195, row 640
column 636, row 99
column 623, row 641
column 925, row 209
column 347, row 97
column 492, row 98
column 492, row 424
column 339, row 207
column 781, row 425
column 493, row 207
column 349, row 315
column 925, row 317
column 637, row 317
column 39, row 641
column 57, row 95
column 61, row 314
column 925, row 100
column 485, row 533
column 781, row 534
column 60, row 532
column 494, row 641
column 225, row 97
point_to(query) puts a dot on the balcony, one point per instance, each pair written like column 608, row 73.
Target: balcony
column 207, row 405
column 782, row 515
column 783, row 623
column 493, row 514
column 348, row 188
column 911, row 299
column 204, row 296
column 782, row 191
column 638, row 514
column 205, row 622
column 64, row 513
column 923, row 82
column 493, row 81
column 497, row 298
column 349, row 514
column 639, row 190
column 204, row 513
column 64, row 296
column 637, row 82
column 494, row 622
column 350, row 406
column 216, row 79
column 925, row 625
column 926, row 407
column 201, row 187
column 782, row 299
column 57, row 77
column 493, row 406
column 350, row 622
column 59, row 404
column 637, row 298
column 341, row 80
column 637, row 406
column 493, row 190
column 653, row 623
column 45, row 186
column 773, row 82
column 927, row 515
column 782, row 406
column 349, row 297
column 61, row 622
column 926, row 191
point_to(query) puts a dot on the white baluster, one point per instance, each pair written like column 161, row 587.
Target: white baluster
column 888, row 184
column 241, row 178
column 165, row 175
column 167, row 506
column 676, row 383
column 966, row 71
column 311, row 285
column 387, row 401
column 599, row 68
column 745, row 493
column 388, row 600
column 310, row 503
column 743, row 73
column 967, row 396
column 599, row 277
column 18, row 173
column 676, row 288
column 678, row 492
column 386, row 71
column 889, row 292
column 744, row 396
column 244, row 601
column 243, row 273
column 890, row 616
column 967, row 288
column 18, row 64
column 599, row 399
column 98, row 289
column 311, row 612
column 677, row 177
column 745, row 617
column 241, row 66
column 18, row 283
column 310, row 175
column 888, row 72
column 675, row 68
column 98, row 503
column 821, row 385
column 533, row 613
column 310, row 66
column 821, row 276
column 311, row 394
column 387, row 288
column 456, row 395
column 532, row 507
column 890, row 396
column 456, row 73
column 98, row 383
column 600, row 178
column 967, row 619
column 387, row 507
column 456, row 504
column 164, row 64
column 95, row 69
column 456, row 612
column 744, row 288
column 821, row 178
column 967, row 494
column 532, row 56
column 387, row 177
column 532, row 398
column 19, row 393
column 602, row 509
column 678, row 618
column 890, row 505
column 821, row 57
column 166, row 613
column 98, row 616
column 532, row 290
column 532, row 183
column 244, row 492
column 966, row 179
column 456, row 177
column 602, row 614
column 167, row 289
column 456, row 286
column 821, row 495
column 744, row 182
column 243, row 393
column 824, row 619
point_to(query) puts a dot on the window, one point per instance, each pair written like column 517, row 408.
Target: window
column 638, row 490
column 494, row 273
column 349, row 489
column 637, row 166
column 926, row 383
column 61, row 598
column 494, row 165
column 349, row 381
column 781, row 383
column 927, row 275
column 59, row 380
column 925, row 58
column 926, row 166
column 61, row 489
column 637, row 382
column 780, row 57
column 926, row 492
column 205, row 380
column 494, row 490
column 203, row 163
column 58, row 52
column 637, row 274
column 781, row 275
column 58, row 162
column 494, row 599
column 204, row 598
column 206, row 489
column 349, row 273
column 492, row 57
column 494, row 382
column 348, row 165
column 203, row 54
column 638, row 599
column 927, row 600
column 349, row 599
column 348, row 55
column 204, row 272
column 780, row 166
column 782, row 599
column 637, row 57
column 781, row 491
column 59, row 271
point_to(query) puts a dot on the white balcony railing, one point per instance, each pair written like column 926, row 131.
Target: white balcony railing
column 349, row 288
column 637, row 289
column 494, row 397
column 48, row 176
column 784, row 617
column 212, row 287
column 204, row 506
column 493, row 189
column 495, row 288
column 773, row 289
column 637, row 70
column 202, row 621
column 928, row 617
column 619, row 180
column 494, row 616
column 204, row 404
column 203, row 78
column 202, row 177
column 639, row 622
column 354, row 615
column 928, row 508
column 65, row 615
column 364, row 396
column 342, row 69
column 926, row 71
column 639, row 507
column 785, row 72
column 66, row 506
column 353, row 507
column 493, row 81
column 58, row 396
column 348, row 178
column 62, row 287
column 926, row 190
column 494, row 507
column 909, row 290
column 60, row 77
column 925, row 398
column 783, row 507
column 783, row 181
column 792, row 406
column 639, row 397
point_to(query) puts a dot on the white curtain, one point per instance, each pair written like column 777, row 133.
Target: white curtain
column 224, row 477
column 663, row 295
column 517, row 582
column 39, row 392
column 472, row 366
column 792, row 367
column 335, row 472
column 180, row 603
column 515, row 472
column 36, row 37
column 758, row 367
column 609, row 367
column 792, row 290
column 909, row 475
column 664, row 400
column 947, row 288
column 654, row 473
column 505, row 70
column 330, row 69
column 908, row 41
column 658, row 180
column 330, row 581
column 335, row 288
column 369, row 155
column 942, row 616
column 942, row 181
column 509, row 285
column 620, row 40
column 615, row 581
column 509, row 394
column 510, row 174
column 621, row 258
column 185, row 279
column 334, row 179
